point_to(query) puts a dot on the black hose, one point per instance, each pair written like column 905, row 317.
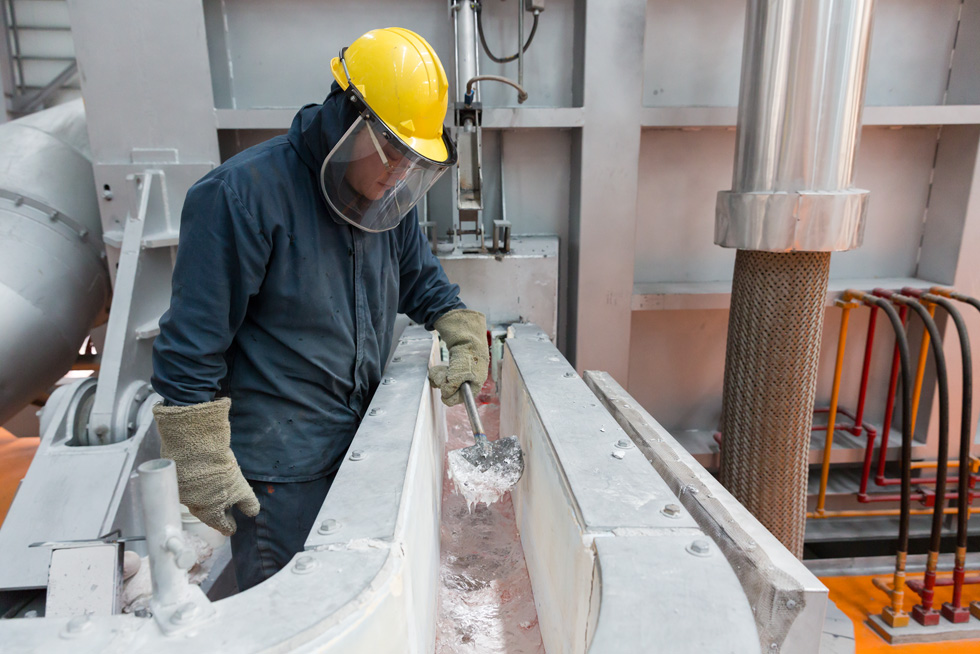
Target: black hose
column 483, row 39
column 936, row 344
column 903, row 352
column 966, row 435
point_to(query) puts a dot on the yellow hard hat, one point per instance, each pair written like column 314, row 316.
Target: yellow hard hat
column 403, row 83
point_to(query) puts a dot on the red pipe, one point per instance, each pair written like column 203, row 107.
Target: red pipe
column 917, row 586
column 903, row 312
column 865, row 372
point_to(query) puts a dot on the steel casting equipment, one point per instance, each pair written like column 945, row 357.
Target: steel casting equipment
column 54, row 282
column 804, row 64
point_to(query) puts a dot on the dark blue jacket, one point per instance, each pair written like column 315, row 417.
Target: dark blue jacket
column 285, row 307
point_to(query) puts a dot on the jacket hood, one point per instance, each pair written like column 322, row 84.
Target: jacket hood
column 317, row 128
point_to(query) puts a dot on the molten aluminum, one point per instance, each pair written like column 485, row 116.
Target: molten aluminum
column 485, row 600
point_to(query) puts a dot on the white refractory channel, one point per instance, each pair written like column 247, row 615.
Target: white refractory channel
column 486, row 604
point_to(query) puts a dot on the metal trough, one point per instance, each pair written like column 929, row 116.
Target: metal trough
column 617, row 562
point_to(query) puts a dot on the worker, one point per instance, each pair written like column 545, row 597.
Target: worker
column 294, row 258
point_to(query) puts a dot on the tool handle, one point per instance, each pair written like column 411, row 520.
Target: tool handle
column 471, row 409
column 478, row 434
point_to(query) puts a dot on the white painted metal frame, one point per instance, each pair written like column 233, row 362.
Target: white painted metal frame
column 598, row 537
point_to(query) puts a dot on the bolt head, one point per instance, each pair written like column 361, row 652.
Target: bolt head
column 699, row 547
column 101, row 430
column 304, row 564
column 671, row 511
column 568, row 375
column 328, row 526
column 388, row 381
column 623, row 443
column 376, row 412
column 791, row 604
column 396, row 359
column 356, row 455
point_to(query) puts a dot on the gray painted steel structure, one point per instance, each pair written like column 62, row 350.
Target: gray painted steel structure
column 53, row 278
column 594, row 532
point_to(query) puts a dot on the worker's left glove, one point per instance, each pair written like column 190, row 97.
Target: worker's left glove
column 465, row 334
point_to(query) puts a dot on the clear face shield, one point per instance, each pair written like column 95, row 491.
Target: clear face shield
column 371, row 178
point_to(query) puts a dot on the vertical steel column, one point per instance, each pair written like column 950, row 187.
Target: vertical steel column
column 151, row 139
column 602, row 235
column 804, row 65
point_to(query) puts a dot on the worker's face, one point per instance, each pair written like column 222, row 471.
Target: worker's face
column 367, row 173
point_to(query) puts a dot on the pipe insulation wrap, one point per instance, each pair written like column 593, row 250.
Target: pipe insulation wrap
column 774, row 333
column 53, row 280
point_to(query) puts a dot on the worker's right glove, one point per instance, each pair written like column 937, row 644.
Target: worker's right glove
column 198, row 439
column 465, row 334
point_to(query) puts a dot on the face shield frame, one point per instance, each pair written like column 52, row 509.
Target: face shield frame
column 405, row 159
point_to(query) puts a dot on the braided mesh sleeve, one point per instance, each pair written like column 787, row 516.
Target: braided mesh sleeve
column 774, row 332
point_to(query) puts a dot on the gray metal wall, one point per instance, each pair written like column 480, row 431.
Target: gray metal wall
column 620, row 150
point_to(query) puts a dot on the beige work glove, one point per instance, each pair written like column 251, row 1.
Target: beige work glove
column 465, row 334
column 198, row 439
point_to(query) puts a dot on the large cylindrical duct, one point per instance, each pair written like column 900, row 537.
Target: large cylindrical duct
column 804, row 65
column 53, row 279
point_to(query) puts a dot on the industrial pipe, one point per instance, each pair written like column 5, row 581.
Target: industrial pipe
column 804, row 64
column 170, row 557
column 845, row 307
column 54, row 283
column 924, row 613
column 865, row 371
column 889, row 403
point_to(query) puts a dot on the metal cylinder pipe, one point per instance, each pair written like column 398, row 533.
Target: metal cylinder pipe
column 804, row 66
column 467, row 64
column 170, row 558
column 53, row 281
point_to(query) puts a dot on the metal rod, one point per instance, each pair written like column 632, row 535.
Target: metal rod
column 7, row 75
column 834, row 397
column 467, row 65
column 20, row 60
column 890, row 404
column 164, row 541
column 503, row 195
column 920, row 371
column 471, row 409
column 520, row 47
column 471, row 84
column 865, row 371
column 879, row 513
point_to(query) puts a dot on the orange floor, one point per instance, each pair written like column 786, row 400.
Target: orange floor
column 856, row 597
column 15, row 457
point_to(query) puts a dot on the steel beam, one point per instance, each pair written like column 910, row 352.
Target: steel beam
column 601, row 249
